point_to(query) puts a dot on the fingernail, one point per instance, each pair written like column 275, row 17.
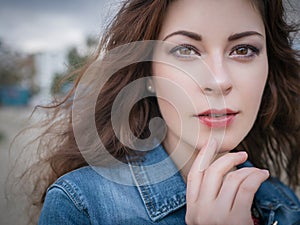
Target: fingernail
column 243, row 154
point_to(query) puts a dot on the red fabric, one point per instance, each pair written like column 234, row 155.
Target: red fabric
column 255, row 221
column 255, row 215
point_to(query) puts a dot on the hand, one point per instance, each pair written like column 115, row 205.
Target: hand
column 216, row 195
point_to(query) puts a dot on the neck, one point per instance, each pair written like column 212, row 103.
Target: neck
column 182, row 154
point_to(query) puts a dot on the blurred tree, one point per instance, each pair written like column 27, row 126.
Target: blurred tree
column 17, row 71
column 91, row 42
column 75, row 59
column 9, row 74
column 2, row 136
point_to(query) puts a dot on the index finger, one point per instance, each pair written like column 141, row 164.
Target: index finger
column 205, row 156
column 201, row 163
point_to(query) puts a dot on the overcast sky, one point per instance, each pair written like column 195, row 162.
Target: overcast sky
column 49, row 28
column 50, row 25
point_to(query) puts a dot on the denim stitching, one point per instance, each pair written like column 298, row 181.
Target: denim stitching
column 144, row 191
column 172, row 204
column 73, row 193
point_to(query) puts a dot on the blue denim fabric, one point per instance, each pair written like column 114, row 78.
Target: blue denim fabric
column 84, row 196
column 276, row 202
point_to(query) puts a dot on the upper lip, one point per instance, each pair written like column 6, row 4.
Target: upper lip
column 218, row 112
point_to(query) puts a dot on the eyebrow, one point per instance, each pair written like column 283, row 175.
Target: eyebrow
column 189, row 34
column 242, row 35
column 198, row 37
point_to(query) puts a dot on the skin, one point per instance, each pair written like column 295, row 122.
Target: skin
column 220, row 70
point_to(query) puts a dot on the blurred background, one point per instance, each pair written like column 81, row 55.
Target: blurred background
column 39, row 42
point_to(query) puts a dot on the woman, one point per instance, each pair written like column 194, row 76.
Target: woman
column 225, row 80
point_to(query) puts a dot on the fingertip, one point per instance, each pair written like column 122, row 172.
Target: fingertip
column 265, row 172
column 243, row 155
column 212, row 142
column 207, row 154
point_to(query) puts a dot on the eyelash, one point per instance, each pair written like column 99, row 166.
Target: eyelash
column 174, row 51
column 253, row 49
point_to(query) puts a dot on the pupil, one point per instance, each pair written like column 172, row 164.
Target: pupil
column 242, row 51
column 185, row 51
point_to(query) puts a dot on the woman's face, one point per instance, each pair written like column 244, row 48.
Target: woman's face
column 221, row 64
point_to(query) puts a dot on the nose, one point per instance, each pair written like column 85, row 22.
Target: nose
column 218, row 81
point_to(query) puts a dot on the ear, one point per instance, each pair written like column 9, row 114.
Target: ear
column 150, row 85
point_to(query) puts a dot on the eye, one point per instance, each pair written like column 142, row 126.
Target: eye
column 244, row 51
column 185, row 51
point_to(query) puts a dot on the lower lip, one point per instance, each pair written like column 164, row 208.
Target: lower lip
column 224, row 121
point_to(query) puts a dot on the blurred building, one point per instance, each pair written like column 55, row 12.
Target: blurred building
column 17, row 77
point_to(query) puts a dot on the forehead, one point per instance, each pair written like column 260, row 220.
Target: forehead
column 212, row 16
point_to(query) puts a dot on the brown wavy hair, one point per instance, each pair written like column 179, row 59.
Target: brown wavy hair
column 272, row 143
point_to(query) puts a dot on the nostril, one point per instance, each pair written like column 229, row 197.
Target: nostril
column 228, row 89
column 218, row 90
column 208, row 89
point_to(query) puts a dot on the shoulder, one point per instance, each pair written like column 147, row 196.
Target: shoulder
column 82, row 184
column 68, row 188
column 87, row 185
column 88, row 180
column 273, row 191
column 72, row 183
column 64, row 202
column 78, row 174
column 83, row 193
column 276, row 201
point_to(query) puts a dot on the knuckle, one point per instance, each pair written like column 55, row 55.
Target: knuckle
column 215, row 169
column 228, row 161
column 248, row 188
column 232, row 177
column 189, row 178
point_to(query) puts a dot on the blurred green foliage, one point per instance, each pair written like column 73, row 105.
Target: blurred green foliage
column 75, row 59
column 17, row 69
column 2, row 136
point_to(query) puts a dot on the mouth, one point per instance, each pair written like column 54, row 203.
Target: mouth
column 217, row 118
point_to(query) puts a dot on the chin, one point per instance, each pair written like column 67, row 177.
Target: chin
column 227, row 148
column 229, row 145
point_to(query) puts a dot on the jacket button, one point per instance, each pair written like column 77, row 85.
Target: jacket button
column 271, row 207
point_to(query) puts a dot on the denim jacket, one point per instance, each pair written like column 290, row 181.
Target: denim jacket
column 150, row 195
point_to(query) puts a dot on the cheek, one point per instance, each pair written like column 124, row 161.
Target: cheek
column 174, row 89
column 175, row 93
column 250, row 91
column 254, row 85
column 169, row 113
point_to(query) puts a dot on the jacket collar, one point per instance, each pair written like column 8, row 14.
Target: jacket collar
column 163, row 190
column 159, row 183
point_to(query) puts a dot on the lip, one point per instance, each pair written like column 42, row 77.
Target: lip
column 217, row 118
